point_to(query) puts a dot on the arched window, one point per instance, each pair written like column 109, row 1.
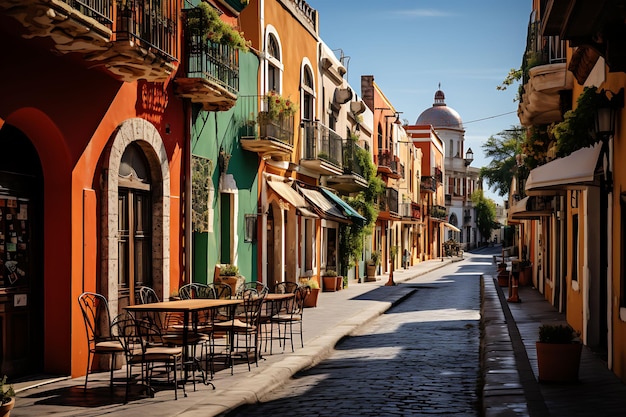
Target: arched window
column 273, row 66
column 308, row 94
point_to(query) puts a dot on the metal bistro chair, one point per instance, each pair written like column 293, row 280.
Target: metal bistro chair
column 145, row 346
column 196, row 290
column 101, row 341
column 257, row 286
column 273, row 309
column 244, row 325
column 291, row 316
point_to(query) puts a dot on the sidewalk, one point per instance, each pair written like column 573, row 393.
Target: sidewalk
column 510, row 389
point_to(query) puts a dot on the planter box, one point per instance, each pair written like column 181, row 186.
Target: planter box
column 503, row 278
column 311, row 298
column 329, row 283
column 339, row 283
column 558, row 362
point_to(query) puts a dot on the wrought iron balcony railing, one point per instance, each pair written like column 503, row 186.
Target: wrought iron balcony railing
column 350, row 160
column 438, row 212
column 428, row 184
column 217, row 63
column 154, row 23
column 541, row 50
column 389, row 202
column 321, row 142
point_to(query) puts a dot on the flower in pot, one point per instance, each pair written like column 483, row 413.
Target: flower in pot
column 229, row 274
column 372, row 266
column 329, row 279
column 313, row 289
column 8, row 397
column 558, row 353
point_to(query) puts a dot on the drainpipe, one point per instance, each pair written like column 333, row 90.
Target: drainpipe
column 187, row 235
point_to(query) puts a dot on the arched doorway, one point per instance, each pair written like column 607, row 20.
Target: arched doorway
column 137, row 150
column 21, row 245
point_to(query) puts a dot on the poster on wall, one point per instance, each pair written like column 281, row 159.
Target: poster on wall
column 14, row 241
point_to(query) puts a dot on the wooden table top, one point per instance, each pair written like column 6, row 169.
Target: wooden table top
column 193, row 304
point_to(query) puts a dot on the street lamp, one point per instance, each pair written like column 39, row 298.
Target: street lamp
column 469, row 156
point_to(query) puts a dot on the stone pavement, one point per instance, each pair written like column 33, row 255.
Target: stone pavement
column 510, row 389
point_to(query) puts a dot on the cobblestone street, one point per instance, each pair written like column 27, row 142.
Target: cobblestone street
column 421, row 358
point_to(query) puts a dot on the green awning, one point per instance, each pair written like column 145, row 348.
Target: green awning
column 345, row 207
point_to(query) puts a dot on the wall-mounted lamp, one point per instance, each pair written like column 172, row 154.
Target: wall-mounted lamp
column 605, row 115
column 469, row 156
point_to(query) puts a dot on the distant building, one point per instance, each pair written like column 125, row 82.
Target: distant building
column 460, row 179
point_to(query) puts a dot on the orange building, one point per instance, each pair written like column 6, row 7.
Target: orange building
column 94, row 139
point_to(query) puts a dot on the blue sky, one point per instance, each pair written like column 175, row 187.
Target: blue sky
column 410, row 46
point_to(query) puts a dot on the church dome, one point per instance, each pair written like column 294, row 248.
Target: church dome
column 440, row 115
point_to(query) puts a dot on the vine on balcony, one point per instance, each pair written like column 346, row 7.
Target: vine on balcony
column 206, row 22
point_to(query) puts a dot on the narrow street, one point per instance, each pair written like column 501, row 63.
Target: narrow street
column 421, row 358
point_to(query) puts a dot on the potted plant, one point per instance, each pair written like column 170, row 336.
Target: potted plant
column 228, row 274
column 329, row 279
column 8, row 398
column 312, row 292
column 503, row 275
column 558, row 353
column 525, row 273
column 372, row 266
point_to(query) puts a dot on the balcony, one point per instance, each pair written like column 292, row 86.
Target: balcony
column 594, row 28
column 73, row 26
column 212, row 77
column 545, row 78
column 410, row 211
column 137, row 42
column 428, row 184
column 351, row 180
column 267, row 136
column 389, row 165
column 388, row 205
column 437, row 212
column 323, row 149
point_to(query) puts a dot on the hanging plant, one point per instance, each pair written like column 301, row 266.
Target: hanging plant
column 575, row 131
column 205, row 21
column 535, row 146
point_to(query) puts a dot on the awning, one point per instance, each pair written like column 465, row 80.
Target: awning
column 528, row 208
column 573, row 171
column 354, row 215
column 451, row 227
column 284, row 190
column 325, row 208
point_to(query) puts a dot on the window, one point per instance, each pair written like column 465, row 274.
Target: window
column 308, row 93
column 575, row 247
column 273, row 66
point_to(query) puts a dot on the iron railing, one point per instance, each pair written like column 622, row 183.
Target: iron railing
column 428, row 184
column 100, row 10
column 154, row 23
column 259, row 124
column 215, row 62
column 350, row 161
column 321, row 142
column 541, row 50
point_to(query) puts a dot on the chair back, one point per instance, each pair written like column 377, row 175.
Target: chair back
column 297, row 306
column 125, row 329
column 222, row 291
column 146, row 295
column 252, row 307
column 196, row 290
column 97, row 317
column 251, row 288
column 286, row 287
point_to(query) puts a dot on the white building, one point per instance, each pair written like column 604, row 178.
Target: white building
column 461, row 179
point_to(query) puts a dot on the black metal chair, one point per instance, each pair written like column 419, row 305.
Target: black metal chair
column 100, row 340
column 196, row 290
column 290, row 316
column 242, row 330
column 145, row 346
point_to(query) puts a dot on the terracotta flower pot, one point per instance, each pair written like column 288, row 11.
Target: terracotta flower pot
column 311, row 299
column 558, row 362
column 5, row 409
column 330, row 283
